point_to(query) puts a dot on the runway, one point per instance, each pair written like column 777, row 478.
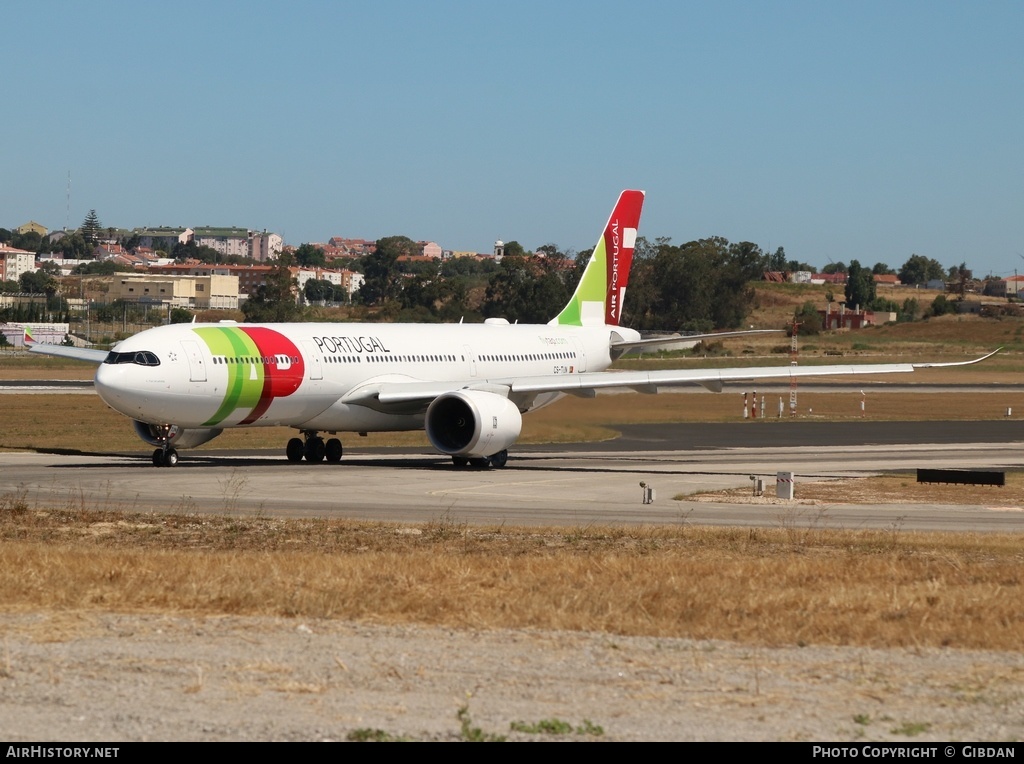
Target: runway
column 576, row 485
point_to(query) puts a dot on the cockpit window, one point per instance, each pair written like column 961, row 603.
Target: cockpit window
column 140, row 357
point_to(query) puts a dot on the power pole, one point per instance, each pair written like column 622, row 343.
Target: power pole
column 793, row 354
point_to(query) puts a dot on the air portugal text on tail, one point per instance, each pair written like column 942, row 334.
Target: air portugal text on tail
column 602, row 289
column 466, row 385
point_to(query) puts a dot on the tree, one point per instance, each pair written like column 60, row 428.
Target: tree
column 382, row 276
column 960, row 275
column 91, row 228
column 526, row 289
column 308, row 256
column 514, row 249
column 30, row 241
column 318, row 291
column 274, row 300
column 38, row 282
column 73, row 246
column 920, row 269
column 698, row 286
column 860, row 287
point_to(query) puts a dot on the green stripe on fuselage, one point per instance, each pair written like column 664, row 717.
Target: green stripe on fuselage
column 244, row 367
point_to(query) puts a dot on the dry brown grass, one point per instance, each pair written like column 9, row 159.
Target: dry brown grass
column 764, row 586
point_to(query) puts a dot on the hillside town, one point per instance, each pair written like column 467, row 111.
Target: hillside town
column 165, row 274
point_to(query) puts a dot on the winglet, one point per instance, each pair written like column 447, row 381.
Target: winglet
column 956, row 363
column 598, row 297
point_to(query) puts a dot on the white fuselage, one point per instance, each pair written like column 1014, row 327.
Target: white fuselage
column 321, row 376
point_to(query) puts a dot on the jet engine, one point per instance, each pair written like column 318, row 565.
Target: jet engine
column 171, row 434
column 472, row 423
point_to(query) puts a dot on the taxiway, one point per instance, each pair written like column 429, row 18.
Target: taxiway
column 586, row 484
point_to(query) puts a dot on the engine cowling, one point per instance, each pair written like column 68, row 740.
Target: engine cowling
column 172, row 434
column 472, row 423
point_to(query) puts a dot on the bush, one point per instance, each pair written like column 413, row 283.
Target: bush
column 809, row 320
column 941, row 306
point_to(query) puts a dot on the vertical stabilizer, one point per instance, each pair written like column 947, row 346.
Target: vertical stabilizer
column 599, row 295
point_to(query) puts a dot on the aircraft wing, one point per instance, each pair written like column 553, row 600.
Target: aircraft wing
column 402, row 394
column 64, row 351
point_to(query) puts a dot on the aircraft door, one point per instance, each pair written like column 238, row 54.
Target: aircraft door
column 471, row 357
column 313, row 363
column 196, row 361
column 581, row 356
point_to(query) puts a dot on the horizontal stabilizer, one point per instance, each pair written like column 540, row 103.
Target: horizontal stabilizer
column 680, row 341
column 66, row 351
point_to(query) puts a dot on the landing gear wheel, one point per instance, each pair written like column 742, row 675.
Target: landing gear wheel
column 168, row 458
column 480, row 462
column 460, row 461
column 295, row 450
column 333, row 450
column 499, row 459
column 315, row 450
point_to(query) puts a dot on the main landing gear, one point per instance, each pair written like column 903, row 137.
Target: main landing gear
column 497, row 460
column 314, row 449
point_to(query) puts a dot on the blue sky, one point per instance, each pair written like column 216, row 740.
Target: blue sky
column 840, row 131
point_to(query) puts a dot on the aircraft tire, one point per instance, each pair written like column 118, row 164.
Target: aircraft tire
column 171, row 458
column 315, row 450
column 499, row 459
column 295, row 450
column 333, row 450
column 480, row 462
column 158, row 457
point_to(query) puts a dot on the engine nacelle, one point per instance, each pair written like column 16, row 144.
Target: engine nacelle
column 179, row 437
column 472, row 423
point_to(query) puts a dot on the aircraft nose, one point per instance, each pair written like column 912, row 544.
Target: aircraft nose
column 114, row 387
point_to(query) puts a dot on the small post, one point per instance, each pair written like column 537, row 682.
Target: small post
column 745, row 414
column 648, row 493
column 757, row 484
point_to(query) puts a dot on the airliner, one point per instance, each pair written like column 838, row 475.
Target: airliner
column 467, row 385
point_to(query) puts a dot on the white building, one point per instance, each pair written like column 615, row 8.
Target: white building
column 14, row 262
column 265, row 246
